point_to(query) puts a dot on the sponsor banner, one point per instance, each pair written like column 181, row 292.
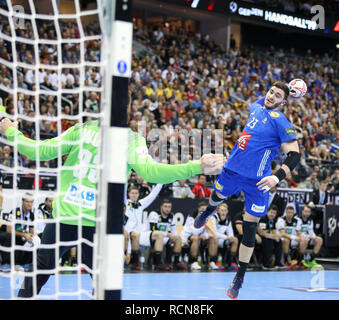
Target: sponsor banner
column 292, row 195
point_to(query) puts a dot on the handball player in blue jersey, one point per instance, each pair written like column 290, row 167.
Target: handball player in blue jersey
column 248, row 169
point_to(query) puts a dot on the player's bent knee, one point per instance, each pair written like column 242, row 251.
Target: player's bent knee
column 157, row 235
column 135, row 235
column 194, row 238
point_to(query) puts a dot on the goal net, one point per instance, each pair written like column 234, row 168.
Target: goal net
column 53, row 77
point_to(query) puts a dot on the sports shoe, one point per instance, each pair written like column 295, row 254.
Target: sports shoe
column 279, row 266
column 215, row 266
column 234, row 288
column 179, row 266
column 5, row 267
column 195, row 266
column 233, row 266
column 162, row 267
column 303, row 264
column 313, row 263
column 201, row 219
column 294, row 262
column 268, row 267
column 134, row 267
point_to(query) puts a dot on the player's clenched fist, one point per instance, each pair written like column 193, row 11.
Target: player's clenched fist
column 212, row 163
column 5, row 124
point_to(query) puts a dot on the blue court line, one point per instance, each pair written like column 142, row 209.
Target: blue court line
column 273, row 285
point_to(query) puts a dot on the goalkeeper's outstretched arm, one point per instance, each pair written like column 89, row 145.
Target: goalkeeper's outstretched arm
column 46, row 149
column 142, row 163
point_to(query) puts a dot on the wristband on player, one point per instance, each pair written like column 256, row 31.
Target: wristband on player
column 280, row 175
column 291, row 162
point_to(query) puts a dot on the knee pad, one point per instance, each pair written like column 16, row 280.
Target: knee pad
column 215, row 200
column 249, row 230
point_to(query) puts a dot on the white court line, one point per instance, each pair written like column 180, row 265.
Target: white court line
column 220, row 288
column 136, row 293
column 179, row 296
column 157, row 294
column 202, row 297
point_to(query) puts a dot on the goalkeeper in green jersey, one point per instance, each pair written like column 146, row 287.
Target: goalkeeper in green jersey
column 78, row 185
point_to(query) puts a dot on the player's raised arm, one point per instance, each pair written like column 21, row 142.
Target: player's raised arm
column 48, row 149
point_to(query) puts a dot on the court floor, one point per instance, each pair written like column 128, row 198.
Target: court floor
column 272, row 285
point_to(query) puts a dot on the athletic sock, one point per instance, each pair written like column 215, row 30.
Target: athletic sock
column 176, row 258
column 213, row 259
column 134, row 257
column 193, row 259
column 242, row 269
column 233, row 258
column 157, row 257
column 285, row 257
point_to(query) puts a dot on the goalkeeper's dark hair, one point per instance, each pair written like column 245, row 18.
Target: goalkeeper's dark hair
column 283, row 86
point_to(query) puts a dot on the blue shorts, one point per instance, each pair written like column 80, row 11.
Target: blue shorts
column 229, row 183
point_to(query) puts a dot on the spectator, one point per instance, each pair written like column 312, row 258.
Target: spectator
column 192, row 237
column 200, row 190
column 7, row 157
column 92, row 103
column 163, row 221
column 182, row 190
column 320, row 196
column 314, row 241
column 312, row 181
column 23, row 218
column 227, row 242
column 48, row 131
column 289, row 228
column 275, row 199
column 43, row 212
column 271, row 239
column 134, row 227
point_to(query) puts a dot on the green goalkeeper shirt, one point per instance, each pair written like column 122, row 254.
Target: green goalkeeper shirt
column 76, row 199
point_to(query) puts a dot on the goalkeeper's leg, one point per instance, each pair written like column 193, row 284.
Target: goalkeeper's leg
column 46, row 258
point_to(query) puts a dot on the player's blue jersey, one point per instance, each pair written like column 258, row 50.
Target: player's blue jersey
column 259, row 142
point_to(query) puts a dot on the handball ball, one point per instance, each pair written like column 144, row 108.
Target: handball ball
column 298, row 88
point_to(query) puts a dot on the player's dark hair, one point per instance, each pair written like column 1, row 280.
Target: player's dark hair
column 283, row 86
column 165, row 201
column 202, row 203
column 273, row 207
column 133, row 187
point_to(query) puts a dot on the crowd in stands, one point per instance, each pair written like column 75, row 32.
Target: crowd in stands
column 185, row 85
